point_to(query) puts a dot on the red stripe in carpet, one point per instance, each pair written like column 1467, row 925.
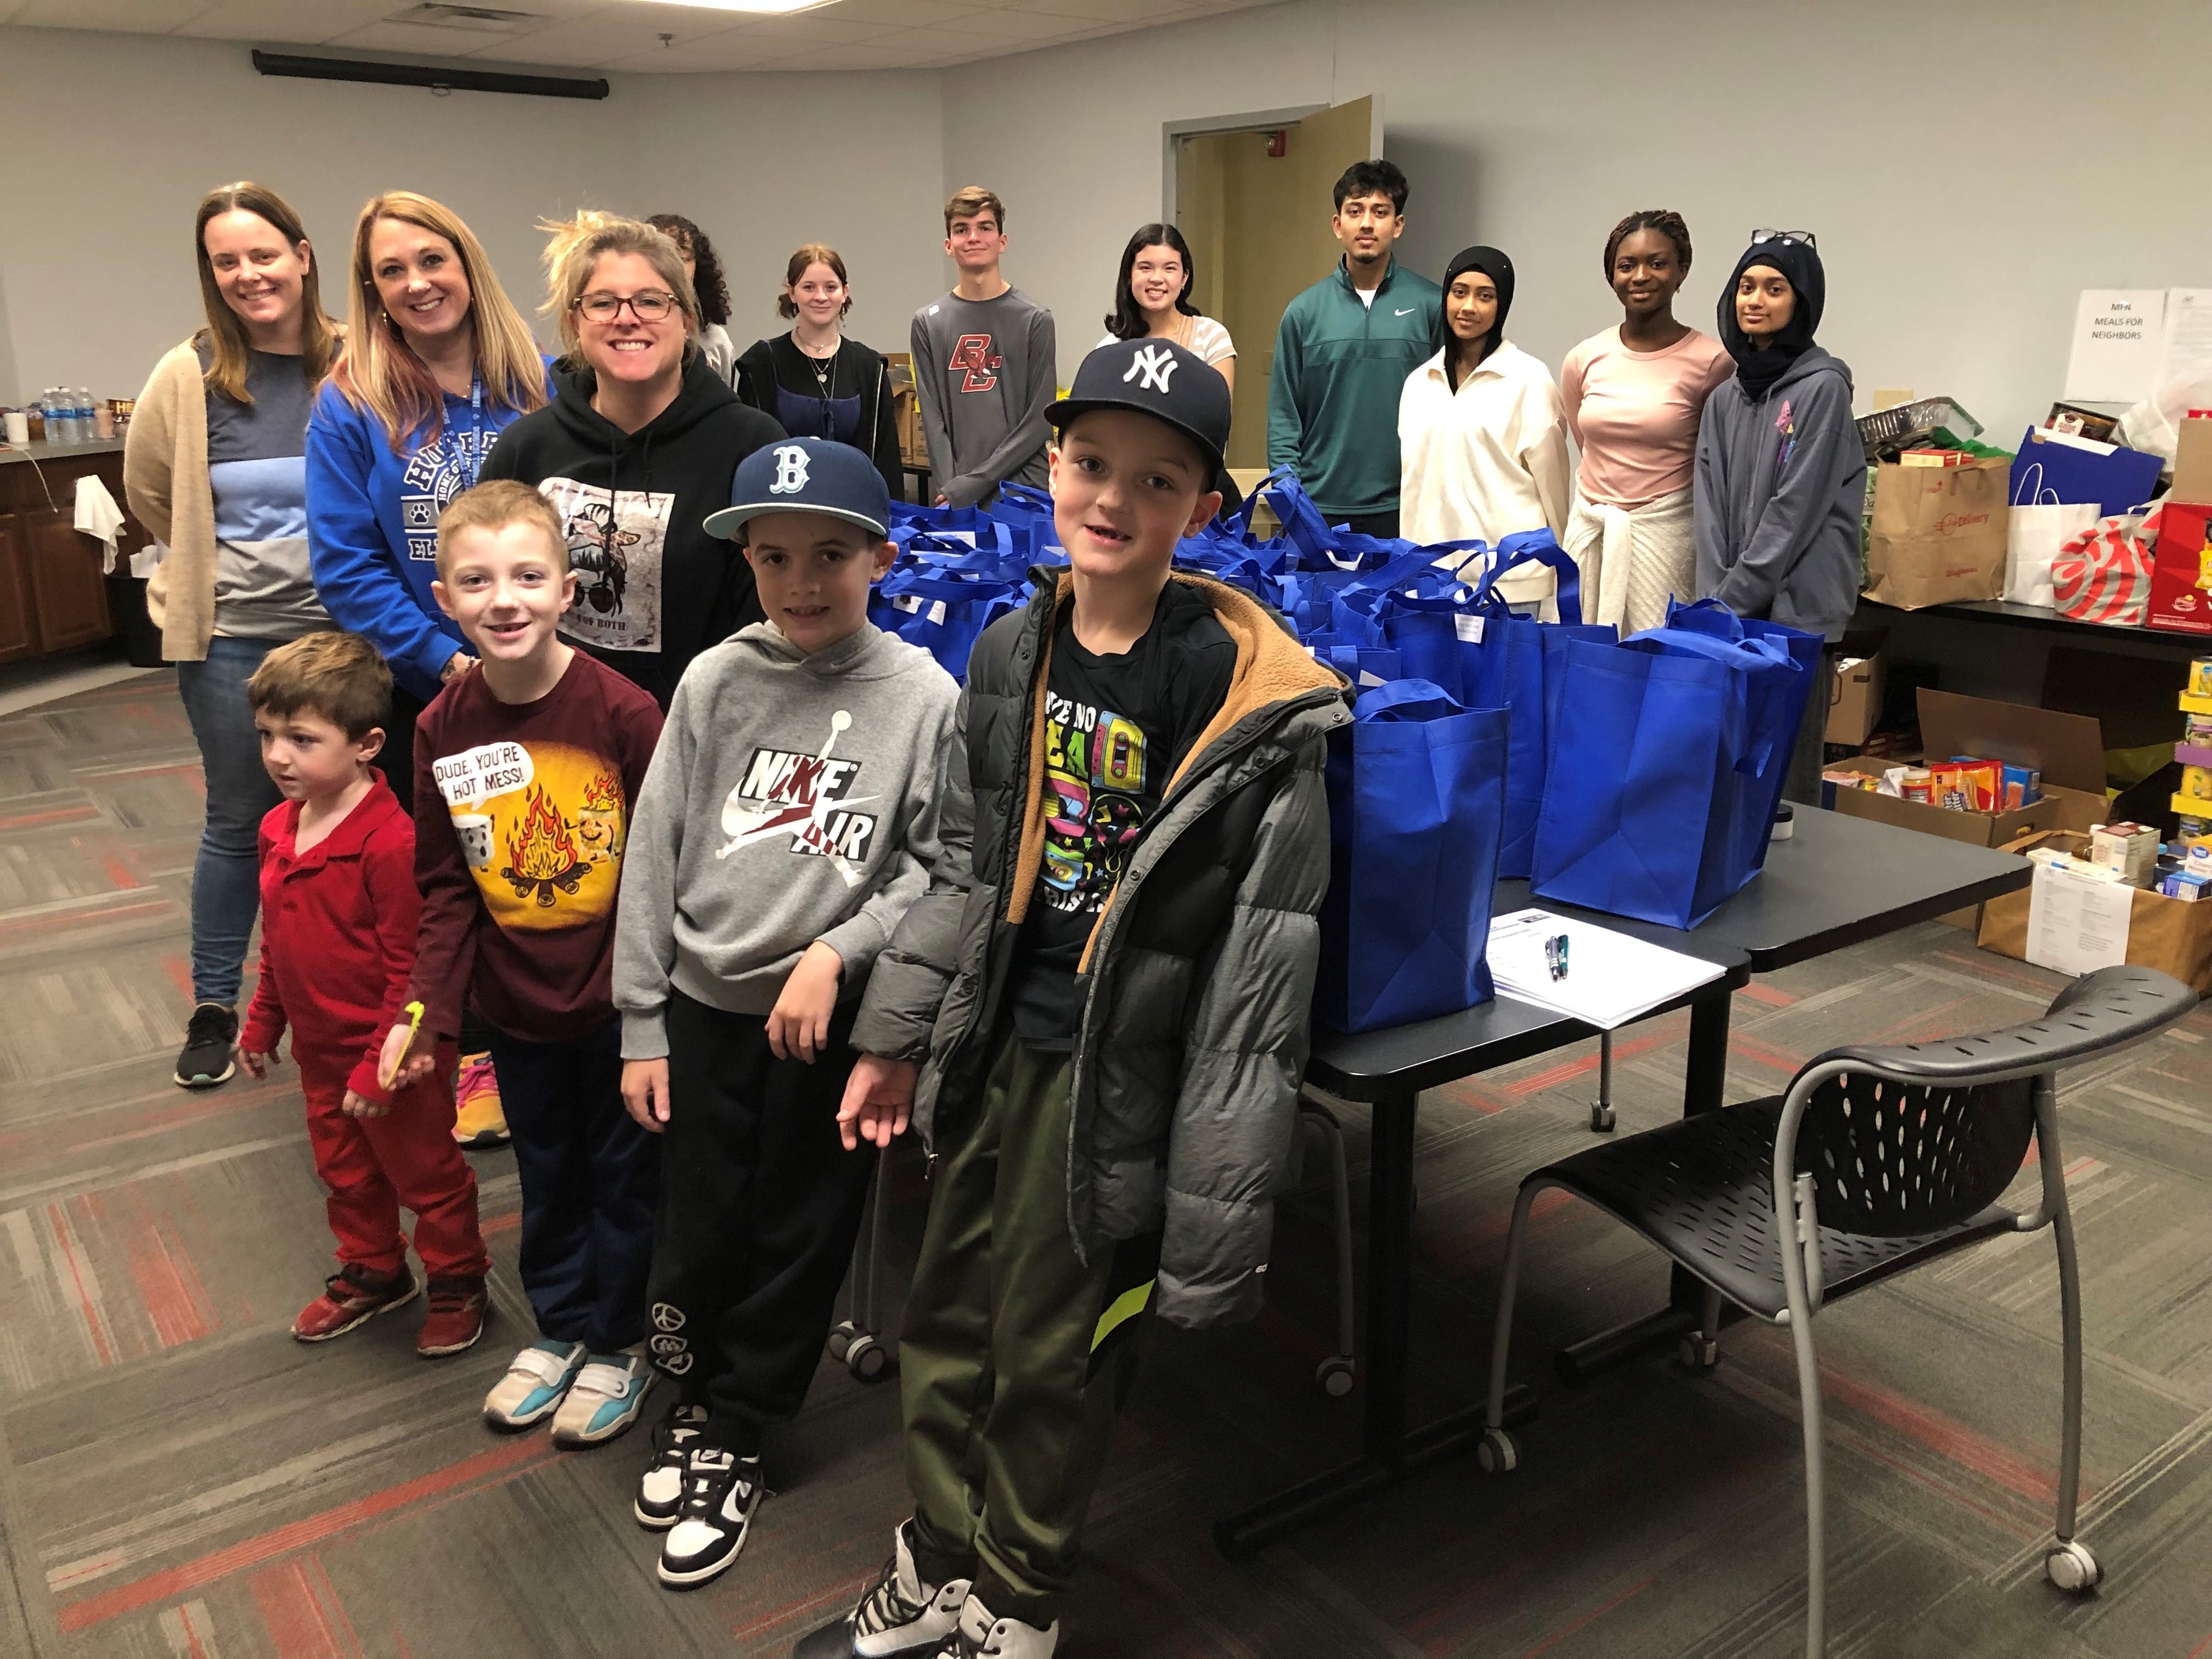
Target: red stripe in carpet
column 1589, row 1618
column 296, row 1534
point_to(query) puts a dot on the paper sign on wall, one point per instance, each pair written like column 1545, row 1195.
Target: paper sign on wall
column 2119, row 338
column 2077, row 924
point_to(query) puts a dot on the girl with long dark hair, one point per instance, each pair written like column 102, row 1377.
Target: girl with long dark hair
column 1152, row 298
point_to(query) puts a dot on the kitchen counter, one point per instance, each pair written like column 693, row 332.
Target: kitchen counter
column 42, row 451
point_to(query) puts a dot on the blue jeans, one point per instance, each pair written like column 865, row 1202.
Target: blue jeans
column 226, row 876
column 590, row 1181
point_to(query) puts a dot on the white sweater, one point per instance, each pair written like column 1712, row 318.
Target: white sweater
column 1487, row 460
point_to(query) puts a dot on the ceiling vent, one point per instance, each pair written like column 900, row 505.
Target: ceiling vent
column 479, row 20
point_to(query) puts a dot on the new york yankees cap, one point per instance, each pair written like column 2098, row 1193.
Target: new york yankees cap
column 805, row 474
column 1157, row 377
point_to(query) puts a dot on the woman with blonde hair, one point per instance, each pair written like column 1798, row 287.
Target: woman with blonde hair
column 637, row 447
column 213, row 468
column 814, row 380
column 437, row 364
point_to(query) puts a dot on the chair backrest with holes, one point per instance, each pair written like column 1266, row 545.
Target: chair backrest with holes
column 1891, row 1159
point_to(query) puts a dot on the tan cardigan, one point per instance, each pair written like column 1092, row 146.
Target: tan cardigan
column 165, row 477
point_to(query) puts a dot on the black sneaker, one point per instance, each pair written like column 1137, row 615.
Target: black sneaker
column 720, row 1493
column 207, row 1059
column 899, row 1617
column 660, row 1489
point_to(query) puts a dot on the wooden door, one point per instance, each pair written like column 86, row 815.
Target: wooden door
column 1258, row 226
column 19, row 633
column 69, row 597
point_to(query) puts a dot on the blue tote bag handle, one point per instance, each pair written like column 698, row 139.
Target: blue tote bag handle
column 1407, row 700
column 1539, row 547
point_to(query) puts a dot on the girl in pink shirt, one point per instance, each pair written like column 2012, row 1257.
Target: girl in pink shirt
column 1634, row 395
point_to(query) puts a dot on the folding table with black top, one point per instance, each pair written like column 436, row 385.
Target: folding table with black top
column 1838, row 881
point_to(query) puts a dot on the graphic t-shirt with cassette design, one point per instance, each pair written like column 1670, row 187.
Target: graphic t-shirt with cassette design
column 521, row 818
column 1115, row 728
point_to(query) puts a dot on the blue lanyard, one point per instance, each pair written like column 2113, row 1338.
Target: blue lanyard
column 476, row 426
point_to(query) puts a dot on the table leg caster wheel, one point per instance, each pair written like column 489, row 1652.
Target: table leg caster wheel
column 1698, row 1352
column 1601, row 1120
column 1334, row 1376
column 867, row 1359
column 840, row 1339
column 2072, row 1567
column 1497, row 1452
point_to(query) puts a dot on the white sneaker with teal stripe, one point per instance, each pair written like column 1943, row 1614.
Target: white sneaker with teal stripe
column 606, row 1399
column 536, row 1381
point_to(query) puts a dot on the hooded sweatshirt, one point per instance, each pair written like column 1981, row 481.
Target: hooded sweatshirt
column 373, row 524
column 793, row 799
column 653, row 589
column 1781, row 476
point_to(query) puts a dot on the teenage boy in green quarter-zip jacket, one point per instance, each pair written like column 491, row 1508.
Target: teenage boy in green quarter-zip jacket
column 1342, row 354
column 1104, row 994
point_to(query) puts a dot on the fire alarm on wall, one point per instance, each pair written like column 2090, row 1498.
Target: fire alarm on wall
column 1279, row 143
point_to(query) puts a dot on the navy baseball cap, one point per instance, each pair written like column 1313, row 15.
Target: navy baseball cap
column 1157, row 377
column 806, row 475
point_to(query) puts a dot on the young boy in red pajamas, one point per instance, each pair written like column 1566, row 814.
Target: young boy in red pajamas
column 339, row 908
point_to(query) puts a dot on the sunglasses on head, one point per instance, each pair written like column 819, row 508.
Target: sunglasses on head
column 1804, row 236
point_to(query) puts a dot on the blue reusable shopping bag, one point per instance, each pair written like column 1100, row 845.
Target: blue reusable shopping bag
column 1416, row 795
column 942, row 597
column 1668, row 752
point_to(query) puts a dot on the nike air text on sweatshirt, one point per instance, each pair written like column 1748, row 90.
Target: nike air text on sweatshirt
column 793, row 798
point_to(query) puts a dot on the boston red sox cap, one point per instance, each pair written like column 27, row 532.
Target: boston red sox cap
column 1157, row 377
column 805, row 474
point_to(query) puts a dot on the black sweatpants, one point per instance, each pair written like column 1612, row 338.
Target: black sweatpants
column 760, row 1205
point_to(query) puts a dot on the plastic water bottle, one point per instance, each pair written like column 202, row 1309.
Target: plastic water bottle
column 88, row 420
column 72, row 432
column 58, row 428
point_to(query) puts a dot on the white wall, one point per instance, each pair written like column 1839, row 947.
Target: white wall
column 96, row 271
column 1967, row 169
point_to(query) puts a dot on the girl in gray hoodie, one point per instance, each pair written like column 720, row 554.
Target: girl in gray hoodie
column 1780, row 480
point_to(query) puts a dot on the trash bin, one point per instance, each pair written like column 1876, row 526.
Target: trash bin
column 134, row 630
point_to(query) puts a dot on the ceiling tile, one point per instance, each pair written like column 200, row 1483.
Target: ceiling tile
column 1129, row 12
column 1024, row 26
column 849, row 57
column 904, row 14
column 716, row 53
column 286, row 22
column 822, row 28
column 138, row 16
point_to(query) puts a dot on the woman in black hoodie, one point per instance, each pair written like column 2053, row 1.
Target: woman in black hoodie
column 638, row 446
column 817, row 381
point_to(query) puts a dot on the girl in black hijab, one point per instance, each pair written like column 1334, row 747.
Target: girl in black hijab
column 1781, row 483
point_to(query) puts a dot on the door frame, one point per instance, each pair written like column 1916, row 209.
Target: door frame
column 1253, row 120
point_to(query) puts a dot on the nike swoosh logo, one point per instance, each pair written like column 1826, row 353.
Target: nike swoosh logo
column 1407, row 312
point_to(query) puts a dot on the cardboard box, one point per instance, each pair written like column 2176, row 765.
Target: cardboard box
column 2172, row 935
column 2192, row 461
column 2181, row 577
column 2067, row 749
column 1854, row 700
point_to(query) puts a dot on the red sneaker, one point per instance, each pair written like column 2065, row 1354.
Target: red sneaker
column 349, row 1296
column 457, row 1317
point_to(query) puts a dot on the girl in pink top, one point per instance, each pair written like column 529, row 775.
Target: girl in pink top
column 1633, row 398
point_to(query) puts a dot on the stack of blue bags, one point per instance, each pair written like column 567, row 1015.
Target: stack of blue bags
column 1635, row 776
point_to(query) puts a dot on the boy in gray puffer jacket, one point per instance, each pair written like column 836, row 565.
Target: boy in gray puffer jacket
column 1107, row 1009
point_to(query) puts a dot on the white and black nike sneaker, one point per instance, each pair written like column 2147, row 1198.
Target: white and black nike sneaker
column 982, row 1635
column 899, row 1616
column 660, row 1488
column 721, row 1490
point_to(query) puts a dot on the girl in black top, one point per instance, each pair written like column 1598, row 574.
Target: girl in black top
column 816, row 382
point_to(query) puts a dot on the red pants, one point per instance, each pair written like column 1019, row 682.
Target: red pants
column 372, row 1165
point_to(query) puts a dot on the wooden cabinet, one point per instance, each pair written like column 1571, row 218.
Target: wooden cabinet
column 69, row 597
column 19, row 633
column 53, row 595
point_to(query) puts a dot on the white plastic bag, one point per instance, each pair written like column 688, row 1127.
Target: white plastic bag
column 2036, row 533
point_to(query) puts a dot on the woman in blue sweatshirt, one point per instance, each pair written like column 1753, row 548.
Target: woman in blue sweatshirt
column 438, row 363
column 1781, row 480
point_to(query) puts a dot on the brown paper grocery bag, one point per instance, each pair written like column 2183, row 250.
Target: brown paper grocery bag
column 1938, row 533
column 2172, row 935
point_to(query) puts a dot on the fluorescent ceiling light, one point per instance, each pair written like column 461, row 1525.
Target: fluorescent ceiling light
column 768, row 7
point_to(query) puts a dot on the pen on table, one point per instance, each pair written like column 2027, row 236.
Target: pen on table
column 1555, row 955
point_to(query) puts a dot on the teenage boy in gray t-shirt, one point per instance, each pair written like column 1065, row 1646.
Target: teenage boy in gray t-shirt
column 983, row 363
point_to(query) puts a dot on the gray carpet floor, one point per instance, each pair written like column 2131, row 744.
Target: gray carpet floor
column 179, row 1479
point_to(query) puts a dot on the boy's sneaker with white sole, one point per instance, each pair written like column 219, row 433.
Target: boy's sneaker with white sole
column 721, row 1491
column 537, row 1379
column 660, row 1488
column 605, row 1400
column 899, row 1616
column 982, row 1635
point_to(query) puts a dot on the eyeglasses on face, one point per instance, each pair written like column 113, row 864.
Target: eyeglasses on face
column 649, row 306
column 1804, row 236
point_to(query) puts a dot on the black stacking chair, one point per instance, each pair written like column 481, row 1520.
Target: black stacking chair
column 1889, row 1158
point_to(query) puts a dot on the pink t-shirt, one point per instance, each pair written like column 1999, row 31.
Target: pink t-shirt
column 1634, row 414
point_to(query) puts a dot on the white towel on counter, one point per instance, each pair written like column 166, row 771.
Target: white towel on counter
column 98, row 517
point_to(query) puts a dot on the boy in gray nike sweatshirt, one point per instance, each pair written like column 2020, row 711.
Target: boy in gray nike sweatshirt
column 788, row 819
